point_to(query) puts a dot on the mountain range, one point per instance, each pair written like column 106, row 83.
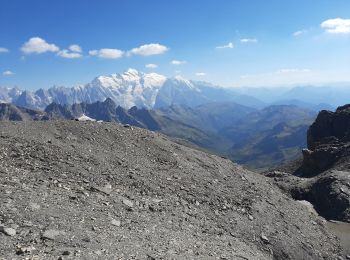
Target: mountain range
column 131, row 88
column 154, row 91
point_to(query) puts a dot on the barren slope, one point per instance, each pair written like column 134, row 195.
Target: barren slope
column 86, row 190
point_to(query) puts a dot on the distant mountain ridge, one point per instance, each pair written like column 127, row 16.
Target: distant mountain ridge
column 155, row 91
column 131, row 88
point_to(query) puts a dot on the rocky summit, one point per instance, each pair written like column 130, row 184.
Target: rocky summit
column 91, row 190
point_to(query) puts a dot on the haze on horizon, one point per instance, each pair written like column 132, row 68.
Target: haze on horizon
column 230, row 43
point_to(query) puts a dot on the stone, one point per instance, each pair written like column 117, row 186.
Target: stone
column 66, row 252
column 128, row 203
column 34, row 206
column 115, row 222
column 264, row 238
column 51, row 234
column 8, row 231
column 25, row 249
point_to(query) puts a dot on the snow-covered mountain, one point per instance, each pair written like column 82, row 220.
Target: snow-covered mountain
column 131, row 88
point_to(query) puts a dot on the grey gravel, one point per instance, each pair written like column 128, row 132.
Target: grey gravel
column 173, row 202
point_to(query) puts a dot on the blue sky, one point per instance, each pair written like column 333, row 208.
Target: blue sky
column 228, row 42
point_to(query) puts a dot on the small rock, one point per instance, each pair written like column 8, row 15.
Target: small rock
column 51, row 234
column 34, row 206
column 264, row 238
column 66, row 252
column 348, row 257
column 157, row 200
column 25, row 249
column 86, row 239
column 8, row 231
column 115, row 223
column 128, row 203
column 250, row 217
column 27, row 223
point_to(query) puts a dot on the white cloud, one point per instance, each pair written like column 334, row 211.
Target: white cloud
column 230, row 45
column 68, row 54
column 8, row 73
column 249, row 40
column 75, row 48
column 200, row 74
column 38, row 45
column 148, row 50
column 337, row 25
column 177, row 62
column 107, row 53
column 3, row 50
column 151, row 66
column 299, row 33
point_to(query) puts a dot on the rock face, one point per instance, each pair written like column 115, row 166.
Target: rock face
column 323, row 176
column 330, row 127
column 102, row 190
column 328, row 140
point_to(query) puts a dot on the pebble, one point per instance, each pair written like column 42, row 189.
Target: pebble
column 8, row 231
column 66, row 252
column 264, row 238
column 128, row 203
column 51, row 234
column 115, row 223
column 25, row 249
column 34, row 206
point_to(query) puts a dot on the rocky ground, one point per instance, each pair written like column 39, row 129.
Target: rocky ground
column 88, row 190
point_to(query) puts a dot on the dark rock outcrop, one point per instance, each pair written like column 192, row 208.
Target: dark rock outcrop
column 328, row 140
column 10, row 112
column 323, row 176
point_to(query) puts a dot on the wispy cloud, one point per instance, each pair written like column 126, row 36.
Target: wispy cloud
column 337, row 25
column 75, row 48
column 299, row 33
column 8, row 73
column 230, row 45
column 69, row 54
column 148, row 50
column 177, row 62
column 201, row 74
column 107, row 53
column 3, row 50
column 38, row 45
column 74, row 51
column 248, row 40
column 151, row 66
